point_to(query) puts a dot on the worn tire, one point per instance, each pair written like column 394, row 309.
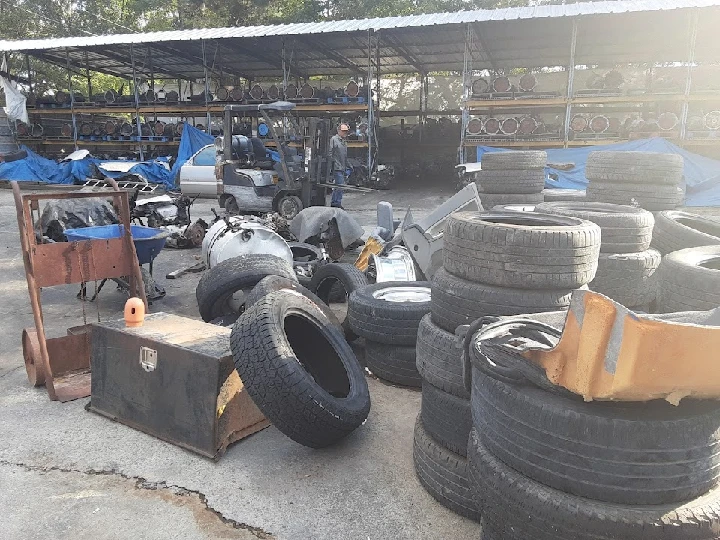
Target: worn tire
column 634, row 167
column 624, row 453
column 684, row 284
column 385, row 319
column 446, row 418
column 220, row 282
column 325, row 281
column 456, row 301
column 443, row 474
column 525, row 181
column 299, row 370
column 439, row 358
column 515, row 507
column 275, row 283
column 563, row 195
column 628, row 278
column 624, row 229
column 393, row 363
column 521, row 249
column 681, row 230
column 491, row 200
column 653, row 197
column 516, row 160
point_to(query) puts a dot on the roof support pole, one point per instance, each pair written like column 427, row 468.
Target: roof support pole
column 284, row 69
column 570, row 83
column 694, row 17
column 421, row 112
column 377, row 78
column 371, row 115
column 467, row 83
column 207, row 87
column 87, row 76
column 137, row 102
column 29, row 77
column 72, row 98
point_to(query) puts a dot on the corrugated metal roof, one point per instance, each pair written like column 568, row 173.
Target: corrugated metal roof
column 363, row 25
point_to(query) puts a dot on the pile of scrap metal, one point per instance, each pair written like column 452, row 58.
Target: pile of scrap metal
column 170, row 213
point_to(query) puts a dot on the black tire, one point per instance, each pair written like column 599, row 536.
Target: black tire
column 624, row 453
column 628, row 278
column 515, row 507
column 443, row 474
column 681, row 230
column 521, row 249
column 392, row 363
column 289, row 206
column 379, row 313
column 439, row 358
column 275, row 283
column 456, row 301
column 446, row 418
column 634, row 167
column 220, row 282
column 231, row 205
column 516, row 160
column 327, row 277
column 689, row 280
column 625, row 229
column 563, row 195
column 491, row 200
column 527, row 181
column 299, row 370
column 653, row 197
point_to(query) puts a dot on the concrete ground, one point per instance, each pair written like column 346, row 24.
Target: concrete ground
column 68, row 473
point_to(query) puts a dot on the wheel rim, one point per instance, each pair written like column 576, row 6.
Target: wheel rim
column 289, row 208
column 403, row 294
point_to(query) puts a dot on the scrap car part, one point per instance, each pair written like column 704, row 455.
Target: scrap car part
column 235, row 236
column 424, row 238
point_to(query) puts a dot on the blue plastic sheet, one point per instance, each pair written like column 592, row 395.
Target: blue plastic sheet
column 702, row 174
column 36, row 168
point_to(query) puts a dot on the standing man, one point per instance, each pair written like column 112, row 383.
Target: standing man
column 338, row 156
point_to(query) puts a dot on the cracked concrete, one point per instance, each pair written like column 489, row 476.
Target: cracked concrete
column 363, row 487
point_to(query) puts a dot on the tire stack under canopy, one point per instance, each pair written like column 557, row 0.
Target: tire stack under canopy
column 494, row 264
column 627, row 265
column 649, row 180
column 511, row 178
column 544, row 464
column 388, row 315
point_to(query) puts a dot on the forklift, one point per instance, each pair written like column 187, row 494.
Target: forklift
column 255, row 179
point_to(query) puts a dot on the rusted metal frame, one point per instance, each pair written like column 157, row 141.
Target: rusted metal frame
column 180, row 75
column 467, row 82
column 693, row 29
column 72, row 98
column 271, row 59
column 570, row 82
column 137, row 101
column 72, row 350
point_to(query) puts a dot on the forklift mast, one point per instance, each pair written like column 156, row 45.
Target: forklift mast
column 317, row 155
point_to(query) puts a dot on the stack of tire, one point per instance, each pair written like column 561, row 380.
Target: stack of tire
column 649, row 180
column 494, row 264
column 549, row 466
column 689, row 275
column 388, row 315
column 511, row 178
column 627, row 265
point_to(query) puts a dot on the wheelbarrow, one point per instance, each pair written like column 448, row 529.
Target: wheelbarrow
column 148, row 241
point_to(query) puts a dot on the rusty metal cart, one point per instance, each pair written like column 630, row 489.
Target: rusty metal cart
column 62, row 363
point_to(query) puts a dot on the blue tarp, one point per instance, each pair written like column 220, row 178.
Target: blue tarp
column 702, row 174
column 36, row 168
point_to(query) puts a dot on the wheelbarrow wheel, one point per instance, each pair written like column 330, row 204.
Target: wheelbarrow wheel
column 32, row 356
